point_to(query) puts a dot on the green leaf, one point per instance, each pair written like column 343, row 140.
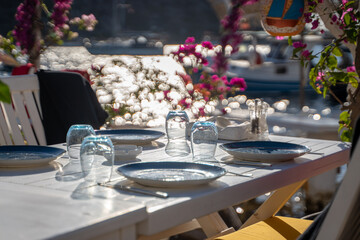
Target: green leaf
column 347, row 19
column 290, row 42
column 336, row 51
column 5, row 95
column 332, row 62
column 344, row 116
column 353, row 82
column 325, row 89
column 346, row 136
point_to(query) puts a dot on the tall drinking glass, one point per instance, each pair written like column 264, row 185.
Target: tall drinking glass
column 204, row 136
column 97, row 158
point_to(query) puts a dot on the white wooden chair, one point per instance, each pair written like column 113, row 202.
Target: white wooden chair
column 20, row 122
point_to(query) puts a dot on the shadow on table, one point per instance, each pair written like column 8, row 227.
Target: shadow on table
column 70, row 172
column 89, row 190
column 18, row 171
column 153, row 145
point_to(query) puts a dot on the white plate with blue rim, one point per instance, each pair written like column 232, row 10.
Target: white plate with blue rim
column 28, row 156
column 131, row 136
column 265, row 151
column 171, row 174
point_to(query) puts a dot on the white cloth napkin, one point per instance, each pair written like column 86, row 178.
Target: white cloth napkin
column 231, row 129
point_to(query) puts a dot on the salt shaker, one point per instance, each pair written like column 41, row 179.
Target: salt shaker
column 258, row 113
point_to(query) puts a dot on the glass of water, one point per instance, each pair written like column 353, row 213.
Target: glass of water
column 204, row 137
column 97, row 158
column 74, row 138
column 176, row 123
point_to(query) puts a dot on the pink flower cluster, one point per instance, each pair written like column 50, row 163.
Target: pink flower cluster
column 189, row 49
column 60, row 15
column 86, row 22
column 305, row 54
column 23, row 30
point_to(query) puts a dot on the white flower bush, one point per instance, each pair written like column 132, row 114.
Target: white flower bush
column 132, row 88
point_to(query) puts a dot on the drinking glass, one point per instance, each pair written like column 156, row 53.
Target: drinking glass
column 176, row 123
column 74, row 138
column 97, row 158
column 204, row 136
column 177, row 148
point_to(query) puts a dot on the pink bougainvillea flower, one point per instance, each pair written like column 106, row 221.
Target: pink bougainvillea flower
column 299, row 44
column 201, row 111
column 207, row 44
column 306, row 54
column 190, row 40
column 307, row 17
column 334, row 18
column 279, row 37
column 315, row 24
column 320, row 76
column 351, row 69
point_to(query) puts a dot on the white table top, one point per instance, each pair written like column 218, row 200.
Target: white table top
column 42, row 206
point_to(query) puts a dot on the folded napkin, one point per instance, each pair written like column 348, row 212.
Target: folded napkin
column 229, row 128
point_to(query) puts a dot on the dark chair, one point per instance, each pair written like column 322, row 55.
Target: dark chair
column 66, row 99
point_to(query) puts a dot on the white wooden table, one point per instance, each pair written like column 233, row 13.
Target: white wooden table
column 37, row 204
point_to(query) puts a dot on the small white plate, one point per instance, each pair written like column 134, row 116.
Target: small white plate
column 127, row 152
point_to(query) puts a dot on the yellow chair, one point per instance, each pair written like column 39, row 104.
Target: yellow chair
column 272, row 228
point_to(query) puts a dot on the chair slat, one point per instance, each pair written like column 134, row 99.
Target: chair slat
column 4, row 129
column 33, row 111
column 25, row 111
column 14, row 129
column 18, row 101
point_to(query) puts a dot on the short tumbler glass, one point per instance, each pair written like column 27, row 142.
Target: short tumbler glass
column 204, row 137
column 74, row 138
column 97, row 158
column 176, row 123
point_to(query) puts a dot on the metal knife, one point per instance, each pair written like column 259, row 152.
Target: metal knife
column 136, row 190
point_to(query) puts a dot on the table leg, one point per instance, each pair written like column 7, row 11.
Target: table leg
column 274, row 203
column 213, row 224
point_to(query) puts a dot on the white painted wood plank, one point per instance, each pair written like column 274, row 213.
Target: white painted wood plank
column 22, row 88
column 33, row 110
column 4, row 130
column 12, row 122
column 18, row 102
column 54, row 214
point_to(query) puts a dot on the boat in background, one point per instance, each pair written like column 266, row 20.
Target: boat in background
column 268, row 65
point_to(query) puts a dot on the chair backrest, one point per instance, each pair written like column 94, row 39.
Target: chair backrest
column 20, row 122
column 343, row 218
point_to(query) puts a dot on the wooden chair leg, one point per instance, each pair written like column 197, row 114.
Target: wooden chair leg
column 274, row 203
column 213, row 224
